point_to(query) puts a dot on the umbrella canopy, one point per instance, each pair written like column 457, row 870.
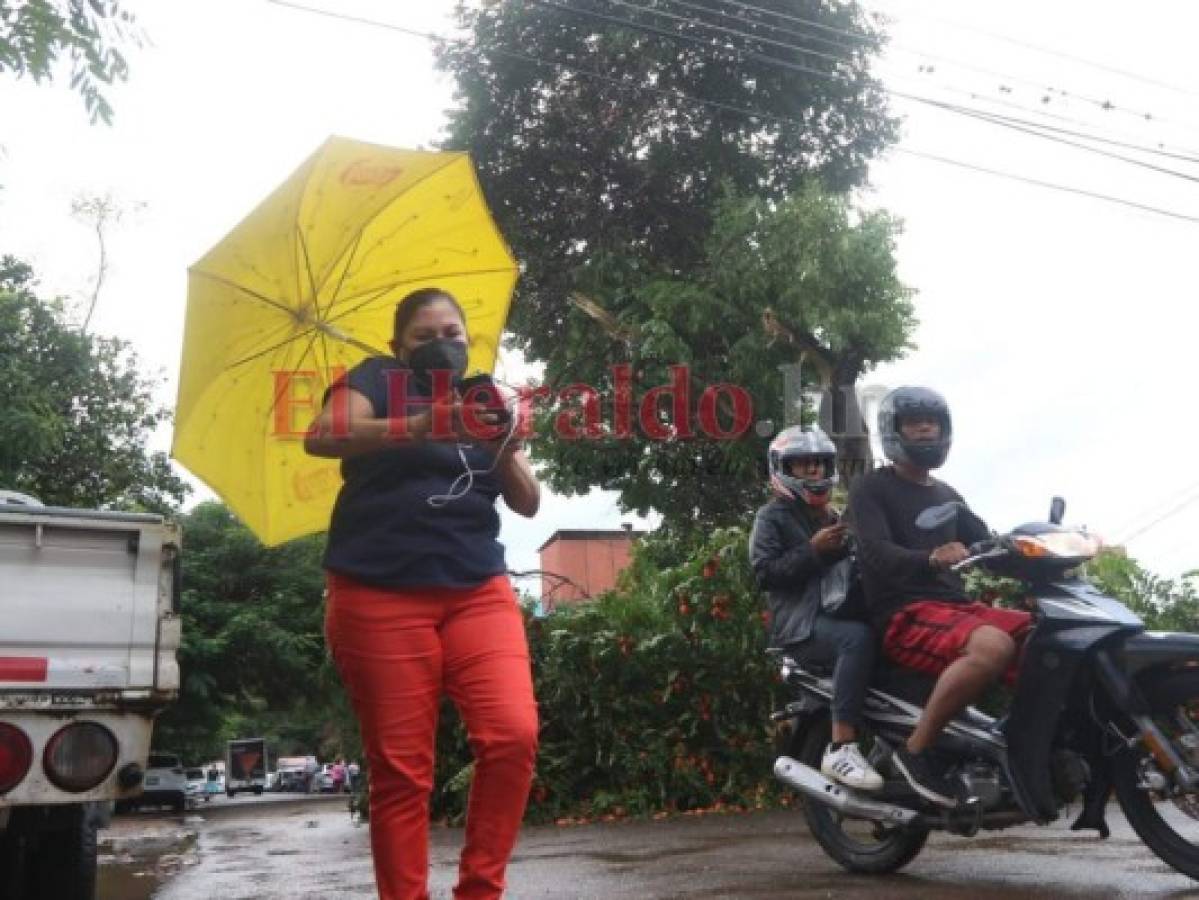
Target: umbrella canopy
column 305, row 288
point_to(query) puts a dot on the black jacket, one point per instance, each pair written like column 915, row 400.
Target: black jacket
column 787, row 568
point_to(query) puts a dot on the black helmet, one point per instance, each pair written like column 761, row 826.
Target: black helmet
column 796, row 443
column 913, row 401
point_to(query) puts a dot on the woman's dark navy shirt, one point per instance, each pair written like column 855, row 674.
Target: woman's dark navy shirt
column 383, row 531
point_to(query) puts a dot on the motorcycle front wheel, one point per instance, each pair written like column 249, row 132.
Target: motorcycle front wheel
column 867, row 848
column 1169, row 826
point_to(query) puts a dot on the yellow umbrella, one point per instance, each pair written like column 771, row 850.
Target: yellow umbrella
column 305, row 287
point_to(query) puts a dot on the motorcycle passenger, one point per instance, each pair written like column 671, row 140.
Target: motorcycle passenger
column 915, row 601
column 795, row 538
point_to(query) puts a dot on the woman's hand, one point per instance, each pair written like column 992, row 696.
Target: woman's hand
column 830, row 539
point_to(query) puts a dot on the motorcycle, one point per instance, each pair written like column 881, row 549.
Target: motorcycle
column 1100, row 705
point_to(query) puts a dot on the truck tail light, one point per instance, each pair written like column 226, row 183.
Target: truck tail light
column 16, row 753
column 80, row 756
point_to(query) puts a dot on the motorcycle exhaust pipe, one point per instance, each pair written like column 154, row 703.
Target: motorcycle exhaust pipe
column 812, row 784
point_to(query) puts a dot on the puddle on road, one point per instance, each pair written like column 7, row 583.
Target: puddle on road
column 135, row 869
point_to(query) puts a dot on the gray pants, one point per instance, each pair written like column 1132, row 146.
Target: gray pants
column 850, row 647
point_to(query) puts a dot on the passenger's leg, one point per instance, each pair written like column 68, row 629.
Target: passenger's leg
column 853, row 643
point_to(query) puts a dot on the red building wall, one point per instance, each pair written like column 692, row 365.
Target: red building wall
column 591, row 560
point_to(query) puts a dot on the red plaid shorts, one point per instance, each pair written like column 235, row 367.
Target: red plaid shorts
column 929, row 635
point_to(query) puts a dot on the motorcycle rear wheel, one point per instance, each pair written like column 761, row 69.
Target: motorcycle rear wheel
column 859, row 846
column 1165, row 828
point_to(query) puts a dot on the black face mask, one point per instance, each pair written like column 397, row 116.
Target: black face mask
column 437, row 355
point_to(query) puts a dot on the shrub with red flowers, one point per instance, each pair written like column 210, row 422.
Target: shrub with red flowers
column 654, row 698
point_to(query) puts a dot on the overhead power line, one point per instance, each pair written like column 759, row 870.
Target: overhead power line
column 675, row 35
column 1040, row 131
column 1102, row 103
column 728, row 107
column 1172, row 511
column 1052, row 51
column 1049, row 185
column 1045, row 90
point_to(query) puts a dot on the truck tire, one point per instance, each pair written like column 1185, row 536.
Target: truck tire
column 257, row 792
column 64, row 863
column 14, row 858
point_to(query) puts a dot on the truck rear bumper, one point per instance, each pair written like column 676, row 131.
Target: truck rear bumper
column 131, row 728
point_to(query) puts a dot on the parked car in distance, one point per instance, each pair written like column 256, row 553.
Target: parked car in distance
column 290, row 780
column 196, row 780
column 322, row 781
column 165, row 783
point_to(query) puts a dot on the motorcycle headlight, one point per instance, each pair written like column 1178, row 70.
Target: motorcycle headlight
column 1060, row 544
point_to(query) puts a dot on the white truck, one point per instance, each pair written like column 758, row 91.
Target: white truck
column 245, row 767
column 89, row 628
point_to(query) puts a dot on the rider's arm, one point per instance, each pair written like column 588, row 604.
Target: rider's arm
column 777, row 563
column 877, row 549
column 971, row 529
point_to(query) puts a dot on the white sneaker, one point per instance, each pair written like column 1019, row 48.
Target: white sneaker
column 849, row 767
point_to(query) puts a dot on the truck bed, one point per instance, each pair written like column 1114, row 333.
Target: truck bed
column 89, row 602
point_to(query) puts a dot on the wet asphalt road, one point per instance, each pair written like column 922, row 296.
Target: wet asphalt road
column 312, row 850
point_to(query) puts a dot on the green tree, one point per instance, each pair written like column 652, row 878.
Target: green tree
column 78, row 412
column 35, row 34
column 803, row 276
column 253, row 659
column 575, row 166
column 1165, row 604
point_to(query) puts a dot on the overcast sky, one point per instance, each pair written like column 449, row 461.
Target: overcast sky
column 1061, row 328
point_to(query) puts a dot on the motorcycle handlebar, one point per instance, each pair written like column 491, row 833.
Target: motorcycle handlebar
column 977, row 557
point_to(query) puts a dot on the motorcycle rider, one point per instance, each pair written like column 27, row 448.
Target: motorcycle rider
column 795, row 538
column 916, row 602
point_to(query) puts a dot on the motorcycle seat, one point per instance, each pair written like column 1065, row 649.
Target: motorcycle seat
column 907, row 684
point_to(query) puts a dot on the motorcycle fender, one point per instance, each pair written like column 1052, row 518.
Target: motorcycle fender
column 1046, row 677
column 1151, row 649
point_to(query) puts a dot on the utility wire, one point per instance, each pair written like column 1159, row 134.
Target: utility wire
column 694, row 20
column 867, row 41
column 799, row 67
column 1050, row 185
column 1032, row 129
column 1172, row 511
column 1132, row 524
column 727, row 107
column 978, row 113
column 1160, row 148
column 1051, row 51
column 690, row 20
column 1103, row 104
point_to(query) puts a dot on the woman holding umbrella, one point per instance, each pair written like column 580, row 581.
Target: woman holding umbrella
column 419, row 603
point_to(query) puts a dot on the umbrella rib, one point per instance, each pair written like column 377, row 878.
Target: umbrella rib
column 391, row 287
column 307, row 266
column 283, row 308
column 344, row 272
column 294, row 367
column 325, row 353
column 455, row 157
column 261, row 353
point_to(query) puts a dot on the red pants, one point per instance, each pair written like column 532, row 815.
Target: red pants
column 397, row 652
column 930, row 636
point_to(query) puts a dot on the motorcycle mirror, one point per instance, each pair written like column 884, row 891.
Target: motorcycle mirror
column 1057, row 510
column 936, row 516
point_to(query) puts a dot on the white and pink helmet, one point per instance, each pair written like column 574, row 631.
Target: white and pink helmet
column 796, row 443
